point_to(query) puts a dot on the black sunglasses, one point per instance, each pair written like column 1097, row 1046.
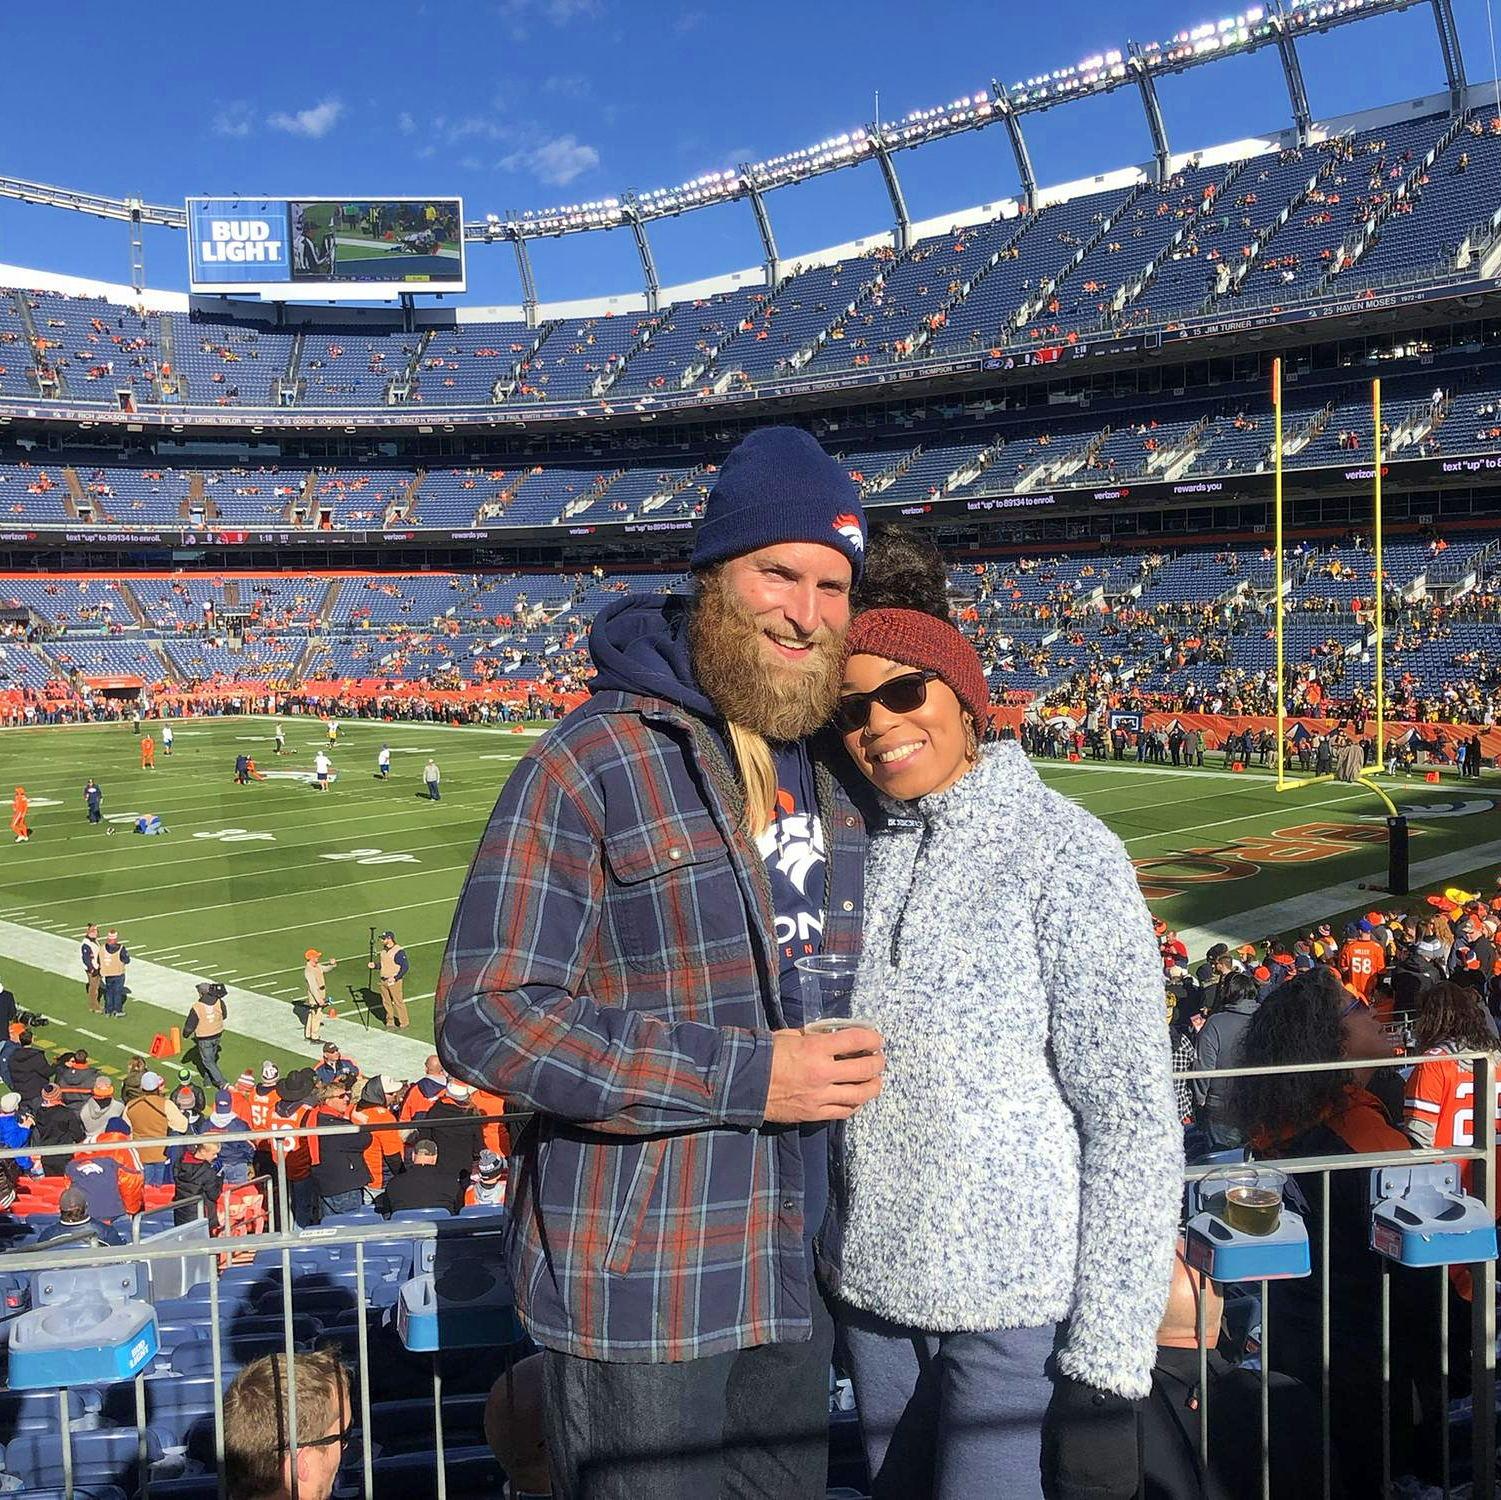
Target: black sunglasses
column 899, row 696
column 341, row 1437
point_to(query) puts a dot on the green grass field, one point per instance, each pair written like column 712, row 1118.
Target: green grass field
column 249, row 877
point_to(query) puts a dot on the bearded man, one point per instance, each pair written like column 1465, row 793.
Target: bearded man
column 621, row 964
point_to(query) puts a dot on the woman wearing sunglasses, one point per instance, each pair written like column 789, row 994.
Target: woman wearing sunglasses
column 1011, row 1199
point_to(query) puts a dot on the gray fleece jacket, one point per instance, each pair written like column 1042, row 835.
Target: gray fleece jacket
column 1023, row 1163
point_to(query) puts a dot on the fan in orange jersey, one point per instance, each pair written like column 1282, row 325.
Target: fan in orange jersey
column 148, row 753
column 1361, row 959
column 18, row 808
column 1440, row 1109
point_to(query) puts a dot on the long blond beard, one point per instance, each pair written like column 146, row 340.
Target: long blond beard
column 784, row 704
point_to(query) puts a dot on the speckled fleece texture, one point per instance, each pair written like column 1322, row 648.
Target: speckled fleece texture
column 1024, row 1161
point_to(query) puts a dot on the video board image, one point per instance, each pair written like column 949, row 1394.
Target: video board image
column 416, row 240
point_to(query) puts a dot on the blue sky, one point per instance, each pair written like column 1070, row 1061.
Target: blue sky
column 531, row 103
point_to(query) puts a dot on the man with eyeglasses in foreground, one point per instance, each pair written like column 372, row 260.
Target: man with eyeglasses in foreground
column 258, row 1456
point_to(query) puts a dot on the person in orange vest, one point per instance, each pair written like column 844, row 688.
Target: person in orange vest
column 148, row 753
column 19, row 804
column 383, row 1154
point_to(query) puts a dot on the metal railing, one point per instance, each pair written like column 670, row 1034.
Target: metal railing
column 358, row 1239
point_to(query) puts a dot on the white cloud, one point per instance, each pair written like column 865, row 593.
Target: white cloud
column 405, row 123
column 516, row 14
column 555, row 161
column 235, row 119
column 315, row 122
column 567, row 85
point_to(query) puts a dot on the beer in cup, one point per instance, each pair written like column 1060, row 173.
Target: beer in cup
column 828, row 986
column 1253, row 1201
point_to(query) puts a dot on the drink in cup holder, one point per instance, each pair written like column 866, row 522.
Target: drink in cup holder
column 1253, row 1201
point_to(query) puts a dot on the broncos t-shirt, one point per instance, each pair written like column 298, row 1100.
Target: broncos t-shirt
column 797, row 864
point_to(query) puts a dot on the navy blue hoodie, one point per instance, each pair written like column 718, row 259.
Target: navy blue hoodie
column 639, row 644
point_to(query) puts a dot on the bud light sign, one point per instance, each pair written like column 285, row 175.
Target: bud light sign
column 237, row 244
column 326, row 248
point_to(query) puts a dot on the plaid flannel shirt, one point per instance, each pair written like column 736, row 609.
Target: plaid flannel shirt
column 612, row 966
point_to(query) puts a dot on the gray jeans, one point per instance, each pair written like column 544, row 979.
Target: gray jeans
column 750, row 1424
column 949, row 1415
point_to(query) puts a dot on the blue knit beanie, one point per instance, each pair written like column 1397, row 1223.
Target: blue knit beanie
column 778, row 485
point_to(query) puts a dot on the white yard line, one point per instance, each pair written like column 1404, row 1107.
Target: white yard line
column 252, row 1014
column 1191, row 829
column 324, row 917
column 1297, row 911
column 241, row 901
column 84, row 1031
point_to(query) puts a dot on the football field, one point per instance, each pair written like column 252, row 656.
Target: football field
column 249, row 877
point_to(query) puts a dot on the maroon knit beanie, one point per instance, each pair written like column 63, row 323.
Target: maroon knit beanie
column 928, row 643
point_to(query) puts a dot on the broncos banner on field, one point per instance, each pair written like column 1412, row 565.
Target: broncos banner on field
column 340, row 247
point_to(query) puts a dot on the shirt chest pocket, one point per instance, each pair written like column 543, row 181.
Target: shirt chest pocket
column 671, row 890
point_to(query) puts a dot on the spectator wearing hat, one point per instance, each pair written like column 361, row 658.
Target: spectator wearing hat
column 75, row 1075
column 392, row 966
column 231, row 1131
column 315, row 977
column 153, row 1117
column 1417, row 970
column 427, row 1090
column 294, row 1105
column 56, row 1124
column 89, row 954
column 423, row 1183
column 114, row 956
column 198, row 1182
column 204, row 1024
column 339, row 1174
column 130, row 1084
column 15, row 1133
column 998, row 1298
column 598, row 1015
column 454, row 1124
column 1361, row 959
column 99, row 1109
column 76, row 1225
column 488, row 1185
column 111, row 1179
column 383, row 1155
column 30, row 1069
column 327, row 1071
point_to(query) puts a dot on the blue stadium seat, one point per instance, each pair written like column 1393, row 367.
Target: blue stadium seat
column 197, row 1358
column 106, row 1455
column 173, row 1403
column 80, row 1492
column 470, row 1471
column 406, row 1426
column 36, row 1411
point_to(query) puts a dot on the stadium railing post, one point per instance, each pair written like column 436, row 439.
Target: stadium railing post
column 1483, row 1288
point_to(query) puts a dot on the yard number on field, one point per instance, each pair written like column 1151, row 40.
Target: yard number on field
column 374, row 857
column 235, row 835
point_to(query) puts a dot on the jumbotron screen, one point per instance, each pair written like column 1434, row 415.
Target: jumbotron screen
column 325, row 247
